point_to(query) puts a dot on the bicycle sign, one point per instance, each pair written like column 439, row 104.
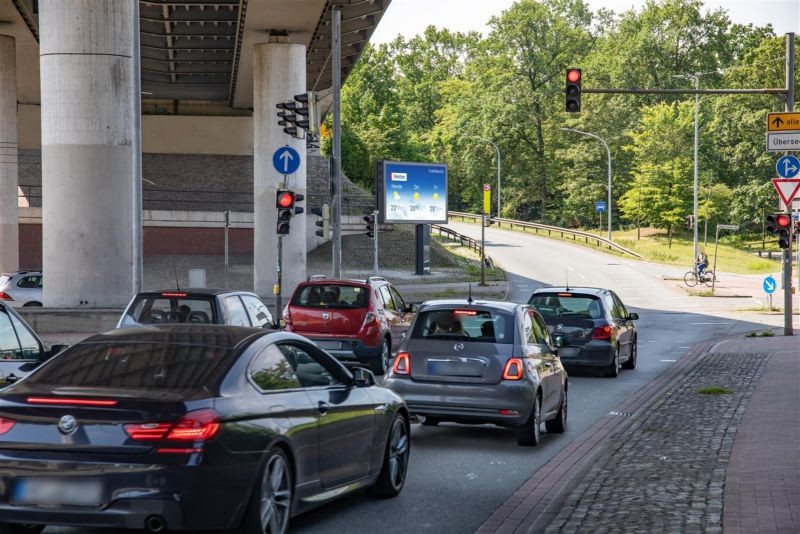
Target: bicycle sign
column 769, row 285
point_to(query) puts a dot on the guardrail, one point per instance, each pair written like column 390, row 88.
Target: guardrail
column 465, row 241
column 536, row 227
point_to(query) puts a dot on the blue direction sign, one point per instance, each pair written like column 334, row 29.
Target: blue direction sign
column 286, row 160
column 788, row 167
column 600, row 206
column 769, row 285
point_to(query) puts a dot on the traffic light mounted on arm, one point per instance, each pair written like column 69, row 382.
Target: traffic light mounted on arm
column 572, row 92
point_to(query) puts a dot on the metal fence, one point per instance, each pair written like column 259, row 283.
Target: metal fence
column 464, row 240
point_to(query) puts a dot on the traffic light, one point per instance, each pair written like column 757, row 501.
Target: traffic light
column 299, row 114
column 689, row 222
column 324, row 225
column 780, row 224
column 796, row 227
column 573, row 91
column 287, row 117
column 370, row 225
column 285, row 201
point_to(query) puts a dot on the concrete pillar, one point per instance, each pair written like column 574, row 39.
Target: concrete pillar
column 86, row 80
column 279, row 73
column 9, row 180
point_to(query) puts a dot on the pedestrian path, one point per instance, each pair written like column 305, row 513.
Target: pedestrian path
column 712, row 446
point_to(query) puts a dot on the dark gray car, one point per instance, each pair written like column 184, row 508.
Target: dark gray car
column 482, row 362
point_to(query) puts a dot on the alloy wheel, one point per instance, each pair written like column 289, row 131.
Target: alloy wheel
column 537, row 419
column 398, row 453
column 385, row 355
column 276, row 496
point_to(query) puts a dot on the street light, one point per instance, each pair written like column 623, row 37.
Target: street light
column 696, row 77
column 498, row 167
column 608, row 152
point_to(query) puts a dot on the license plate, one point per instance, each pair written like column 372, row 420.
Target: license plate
column 57, row 492
column 466, row 367
column 568, row 352
column 329, row 345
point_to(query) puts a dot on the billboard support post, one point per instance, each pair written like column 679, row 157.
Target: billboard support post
column 422, row 246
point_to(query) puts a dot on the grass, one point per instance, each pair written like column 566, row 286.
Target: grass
column 470, row 261
column 714, row 390
column 703, row 293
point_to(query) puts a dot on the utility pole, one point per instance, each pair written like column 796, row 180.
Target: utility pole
column 336, row 52
column 227, row 225
column 788, row 329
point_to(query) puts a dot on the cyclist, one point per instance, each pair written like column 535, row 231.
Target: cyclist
column 700, row 263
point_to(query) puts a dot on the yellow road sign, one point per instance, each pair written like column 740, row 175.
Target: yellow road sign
column 782, row 122
column 487, row 198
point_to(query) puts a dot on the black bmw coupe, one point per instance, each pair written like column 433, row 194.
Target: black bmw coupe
column 193, row 427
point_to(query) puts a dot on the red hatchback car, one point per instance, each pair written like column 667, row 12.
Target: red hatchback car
column 354, row 320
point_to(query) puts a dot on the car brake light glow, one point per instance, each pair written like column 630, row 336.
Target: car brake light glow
column 5, row 425
column 402, row 364
column 70, row 401
column 513, row 369
column 602, row 332
column 564, row 294
column 147, row 431
column 201, row 425
column 173, row 294
column 5, row 296
column 167, row 450
column 465, row 312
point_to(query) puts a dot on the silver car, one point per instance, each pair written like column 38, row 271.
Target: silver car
column 21, row 288
column 482, row 362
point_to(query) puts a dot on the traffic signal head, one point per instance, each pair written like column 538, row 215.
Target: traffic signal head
column 284, row 201
column 324, row 226
column 370, row 225
column 573, row 91
column 796, row 227
column 781, row 224
column 689, row 222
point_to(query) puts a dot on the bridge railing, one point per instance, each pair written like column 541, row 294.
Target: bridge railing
column 587, row 237
column 465, row 241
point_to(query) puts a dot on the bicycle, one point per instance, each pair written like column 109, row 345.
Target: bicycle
column 691, row 278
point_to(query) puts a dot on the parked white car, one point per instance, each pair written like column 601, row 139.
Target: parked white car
column 21, row 288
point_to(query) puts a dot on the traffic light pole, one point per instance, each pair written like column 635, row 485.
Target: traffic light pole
column 375, row 265
column 788, row 328
column 336, row 62
column 278, row 289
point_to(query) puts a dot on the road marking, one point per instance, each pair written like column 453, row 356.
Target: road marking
column 729, row 322
column 668, row 361
column 579, row 274
column 684, row 347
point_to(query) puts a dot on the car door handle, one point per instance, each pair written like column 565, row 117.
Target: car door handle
column 323, row 407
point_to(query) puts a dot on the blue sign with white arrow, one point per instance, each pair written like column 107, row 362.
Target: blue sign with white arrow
column 600, row 206
column 788, row 166
column 286, row 160
column 769, row 285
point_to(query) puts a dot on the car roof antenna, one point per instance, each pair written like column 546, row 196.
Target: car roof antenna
column 469, row 295
column 566, row 275
column 175, row 272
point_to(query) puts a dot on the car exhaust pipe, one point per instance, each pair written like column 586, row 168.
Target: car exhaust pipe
column 155, row 523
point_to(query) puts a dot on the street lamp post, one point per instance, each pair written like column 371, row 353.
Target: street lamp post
column 497, row 150
column 608, row 152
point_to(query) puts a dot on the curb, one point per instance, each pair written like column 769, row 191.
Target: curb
column 534, row 505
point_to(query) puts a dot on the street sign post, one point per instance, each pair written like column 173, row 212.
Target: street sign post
column 788, row 166
column 487, row 198
column 286, row 160
column 783, row 132
column 787, row 189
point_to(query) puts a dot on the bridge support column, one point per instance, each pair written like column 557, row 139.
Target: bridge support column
column 9, row 179
column 86, row 80
column 279, row 73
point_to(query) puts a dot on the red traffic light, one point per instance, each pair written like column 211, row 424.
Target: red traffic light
column 285, row 200
column 573, row 75
column 783, row 221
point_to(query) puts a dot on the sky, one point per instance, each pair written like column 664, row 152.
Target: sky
column 411, row 17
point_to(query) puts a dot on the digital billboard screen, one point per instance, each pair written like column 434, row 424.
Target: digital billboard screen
column 414, row 193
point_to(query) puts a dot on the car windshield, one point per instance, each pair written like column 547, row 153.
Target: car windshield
column 135, row 365
column 465, row 325
column 340, row 296
column 165, row 309
column 567, row 305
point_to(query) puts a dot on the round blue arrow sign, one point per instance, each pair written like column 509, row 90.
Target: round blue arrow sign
column 769, row 285
column 286, row 160
column 788, row 167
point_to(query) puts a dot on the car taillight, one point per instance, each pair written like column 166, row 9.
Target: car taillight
column 5, row 296
column 370, row 316
column 402, row 364
column 6, row 424
column 513, row 369
column 198, row 426
column 287, row 316
column 602, row 332
column 64, row 401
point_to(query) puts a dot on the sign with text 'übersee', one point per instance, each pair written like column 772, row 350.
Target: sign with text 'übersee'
column 411, row 192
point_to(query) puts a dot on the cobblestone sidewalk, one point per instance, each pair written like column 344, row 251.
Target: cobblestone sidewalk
column 666, row 471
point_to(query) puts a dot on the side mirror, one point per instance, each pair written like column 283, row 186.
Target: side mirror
column 411, row 308
column 633, row 317
column 560, row 341
column 363, row 378
column 54, row 349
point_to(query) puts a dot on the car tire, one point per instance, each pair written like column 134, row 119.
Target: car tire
column 612, row 370
column 392, row 477
column 271, row 503
column 529, row 434
column 380, row 364
column 21, row 529
column 32, row 305
column 559, row 424
column 630, row 363
column 430, row 421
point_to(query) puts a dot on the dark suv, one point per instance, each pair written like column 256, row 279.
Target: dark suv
column 354, row 320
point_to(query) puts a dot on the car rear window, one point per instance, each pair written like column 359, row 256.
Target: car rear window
column 170, row 310
column 339, row 296
column 465, row 325
column 136, row 365
column 4, row 280
column 567, row 305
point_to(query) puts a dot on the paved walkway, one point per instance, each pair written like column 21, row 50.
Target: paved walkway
column 673, row 459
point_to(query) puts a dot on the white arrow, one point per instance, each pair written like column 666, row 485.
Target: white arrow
column 770, row 285
column 286, row 156
column 788, row 168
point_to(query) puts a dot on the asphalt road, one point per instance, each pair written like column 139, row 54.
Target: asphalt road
column 460, row 474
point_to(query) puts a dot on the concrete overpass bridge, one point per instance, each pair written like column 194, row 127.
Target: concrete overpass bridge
column 211, row 73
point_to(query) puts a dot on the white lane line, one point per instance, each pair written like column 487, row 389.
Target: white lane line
column 668, row 361
column 684, row 347
column 729, row 322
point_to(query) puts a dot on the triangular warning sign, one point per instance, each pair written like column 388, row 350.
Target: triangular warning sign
column 787, row 189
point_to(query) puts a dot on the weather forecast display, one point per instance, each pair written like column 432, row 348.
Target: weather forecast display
column 412, row 192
